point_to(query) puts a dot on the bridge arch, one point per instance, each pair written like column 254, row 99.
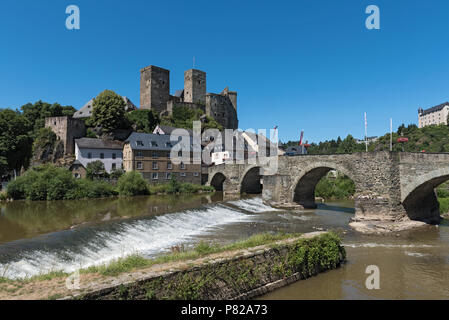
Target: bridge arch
column 419, row 199
column 303, row 188
column 217, row 181
column 251, row 181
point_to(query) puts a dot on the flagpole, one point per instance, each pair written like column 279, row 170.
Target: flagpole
column 366, row 134
column 391, row 134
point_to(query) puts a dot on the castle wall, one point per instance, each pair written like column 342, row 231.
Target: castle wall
column 221, row 108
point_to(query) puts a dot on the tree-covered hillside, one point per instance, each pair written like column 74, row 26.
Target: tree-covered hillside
column 427, row 139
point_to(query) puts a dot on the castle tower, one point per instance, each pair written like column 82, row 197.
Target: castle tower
column 154, row 88
column 232, row 95
column 67, row 129
column 195, row 86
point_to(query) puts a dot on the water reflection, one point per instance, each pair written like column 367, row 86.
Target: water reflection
column 26, row 219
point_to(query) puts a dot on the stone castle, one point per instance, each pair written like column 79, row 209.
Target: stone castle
column 155, row 95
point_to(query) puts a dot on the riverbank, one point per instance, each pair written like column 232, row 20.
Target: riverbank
column 241, row 270
column 48, row 182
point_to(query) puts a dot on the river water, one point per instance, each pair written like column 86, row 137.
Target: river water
column 38, row 237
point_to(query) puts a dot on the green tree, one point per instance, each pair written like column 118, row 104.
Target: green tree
column 96, row 170
column 132, row 184
column 143, row 120
column 37, row 112
column 183, row 117
column 348, row 145
column 45, row 138
column 108, row 111
column 15, row 143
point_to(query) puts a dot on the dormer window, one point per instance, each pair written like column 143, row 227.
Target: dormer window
column 139, row 143
column 168, row 145
column 153, row 143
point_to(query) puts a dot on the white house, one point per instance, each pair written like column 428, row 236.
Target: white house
column 109, row 152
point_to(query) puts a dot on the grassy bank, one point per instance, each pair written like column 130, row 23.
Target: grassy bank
column 48, row 182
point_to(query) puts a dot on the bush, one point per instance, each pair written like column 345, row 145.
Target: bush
column 340, row 187
column 85, row 189
column 52, row 183
column 132, row 184
column 41, row 183
column 96, row 170
column 116, row 174
column 442, row 193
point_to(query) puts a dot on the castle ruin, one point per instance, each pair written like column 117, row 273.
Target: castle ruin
column 155, row 95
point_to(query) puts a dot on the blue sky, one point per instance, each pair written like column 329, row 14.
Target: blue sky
column 303, row 64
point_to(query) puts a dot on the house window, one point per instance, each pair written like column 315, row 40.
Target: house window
column 114, row 166
column 169, row 166
column 168, row 175
column 155, row 176
column 196, row 174
column 89, row 155
column 114, row 156
column 101, row 155
column 139, row 165
column 139, row 153
column 139, row 143
column 155, row 166
column 183, row 166
column 183, row 174
column 154, row 154
column 179, row 153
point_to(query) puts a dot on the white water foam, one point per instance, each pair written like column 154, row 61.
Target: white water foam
column 254, row 205
column 143, row 236
column 415, row 254
column 289, row 216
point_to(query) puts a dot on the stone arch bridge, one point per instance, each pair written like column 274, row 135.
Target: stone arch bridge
column 390, row 186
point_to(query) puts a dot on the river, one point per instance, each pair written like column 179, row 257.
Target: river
column 38, row 237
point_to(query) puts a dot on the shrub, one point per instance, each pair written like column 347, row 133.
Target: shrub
column 116, row 174
column 52, row 183
column 45, row 182
column 132, row 184
column 90, row 189
column 96, row 170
